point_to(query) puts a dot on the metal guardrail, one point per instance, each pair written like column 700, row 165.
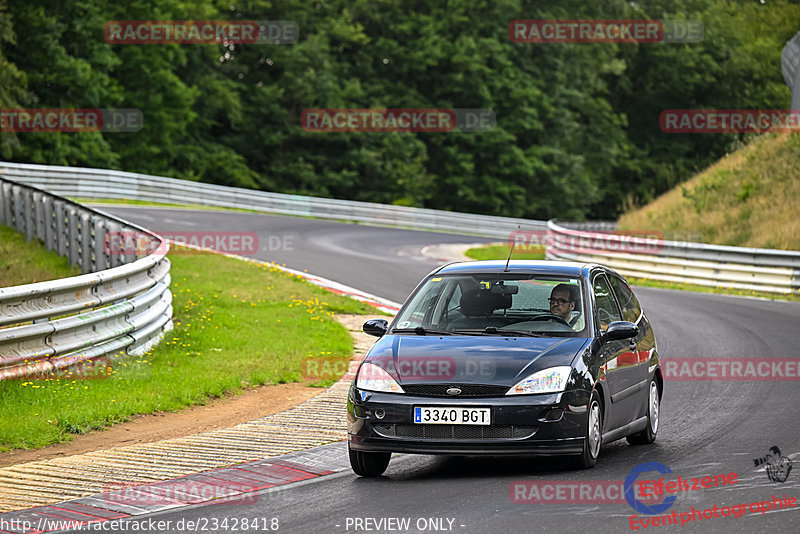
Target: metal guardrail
column 669, row 261
column 756, row 269
column 122, row 304
column 79, row 182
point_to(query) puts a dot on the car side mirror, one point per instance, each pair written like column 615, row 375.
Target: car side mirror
column 376, row 327
column 620, row 330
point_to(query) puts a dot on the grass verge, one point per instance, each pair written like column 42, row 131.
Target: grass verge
column 499, row 251
column 646, row 282
column 237, row 324
column 26, row 262
column 748, row 198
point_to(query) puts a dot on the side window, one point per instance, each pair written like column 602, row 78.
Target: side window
column 630, row 306
column 607, row 310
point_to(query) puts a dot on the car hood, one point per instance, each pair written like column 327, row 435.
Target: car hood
column 497, row 360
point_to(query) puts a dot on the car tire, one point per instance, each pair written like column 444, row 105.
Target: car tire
column 594, row 435
column 648, row 435
column 368, row 464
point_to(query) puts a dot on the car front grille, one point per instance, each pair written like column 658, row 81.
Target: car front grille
column 467, row 390
column 454, row 432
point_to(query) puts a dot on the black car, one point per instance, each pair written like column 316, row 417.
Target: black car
column 533, row 357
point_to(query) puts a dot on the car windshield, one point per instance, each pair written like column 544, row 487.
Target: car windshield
column 495, row 304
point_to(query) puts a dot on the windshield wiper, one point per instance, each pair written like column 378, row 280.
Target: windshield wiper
column 494, row 331
column 419, row 331
column 522, row 333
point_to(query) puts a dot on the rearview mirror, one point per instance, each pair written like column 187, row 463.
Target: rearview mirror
column 375, row 327
column 620, row 330
column 501, row 289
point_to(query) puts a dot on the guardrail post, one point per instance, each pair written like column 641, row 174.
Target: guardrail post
column 17, row 209
column 5, row 203
column 30, row 215
column 86, row 242
column 115, row 257
column 38, row 204
column 51, row 232
column 100, row 262
column 19, row 216
column 74, row 236
column 62, row 245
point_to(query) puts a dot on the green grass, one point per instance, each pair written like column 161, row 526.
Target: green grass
column 26, row 262
column 748, row 198
column 646, row 282
column 499, row 251
column 237, row 324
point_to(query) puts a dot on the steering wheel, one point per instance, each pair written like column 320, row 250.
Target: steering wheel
column 550, row 317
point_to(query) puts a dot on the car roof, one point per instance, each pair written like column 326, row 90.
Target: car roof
column 563, row 268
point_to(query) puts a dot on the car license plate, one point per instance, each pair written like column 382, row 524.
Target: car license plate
column 451, row 415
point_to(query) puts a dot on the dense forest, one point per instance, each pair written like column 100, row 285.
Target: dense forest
column 577, row 133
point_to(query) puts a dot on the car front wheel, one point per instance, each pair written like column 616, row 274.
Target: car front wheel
column 368, row 464
column 594, row 435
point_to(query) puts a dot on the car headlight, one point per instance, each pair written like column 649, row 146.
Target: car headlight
column 550, row 380
column 372, row 378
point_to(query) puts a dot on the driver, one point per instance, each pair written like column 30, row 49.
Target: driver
column 562, row 302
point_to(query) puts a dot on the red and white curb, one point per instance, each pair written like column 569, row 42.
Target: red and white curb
column 335, row 287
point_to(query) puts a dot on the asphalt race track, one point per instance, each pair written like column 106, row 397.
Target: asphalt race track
column 383, row 261
column 707, row 428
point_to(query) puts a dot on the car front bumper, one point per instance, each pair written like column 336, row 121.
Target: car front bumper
column 545, row 424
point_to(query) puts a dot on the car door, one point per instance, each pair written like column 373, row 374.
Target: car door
column 639, row 356
column 620, row 376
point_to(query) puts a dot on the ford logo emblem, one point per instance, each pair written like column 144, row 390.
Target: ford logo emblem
column 454, row 391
